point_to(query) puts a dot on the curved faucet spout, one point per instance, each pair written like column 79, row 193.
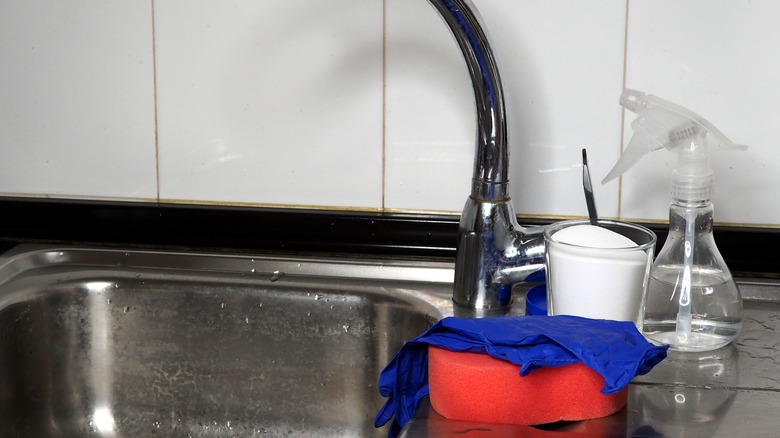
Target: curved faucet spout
column 491, row 163
column 493, row 251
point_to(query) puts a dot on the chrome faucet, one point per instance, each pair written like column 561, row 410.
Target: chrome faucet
column 493, row 251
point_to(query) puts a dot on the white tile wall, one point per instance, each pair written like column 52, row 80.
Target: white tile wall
column 721, row 59
column 272, row 102
column 366, row 104
column 77, row 99
column 430, row 103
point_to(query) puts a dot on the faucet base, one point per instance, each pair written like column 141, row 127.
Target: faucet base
column 494, row 253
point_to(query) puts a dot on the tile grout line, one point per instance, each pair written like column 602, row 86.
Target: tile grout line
column 384, row 103
column 622, row 111
column 154, row 93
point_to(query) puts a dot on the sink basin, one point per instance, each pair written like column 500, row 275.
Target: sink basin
column 107, row 342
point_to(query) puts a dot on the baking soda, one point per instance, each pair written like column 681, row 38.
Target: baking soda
column 593, row 237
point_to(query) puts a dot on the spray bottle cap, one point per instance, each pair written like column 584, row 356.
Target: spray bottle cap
column 663, row 124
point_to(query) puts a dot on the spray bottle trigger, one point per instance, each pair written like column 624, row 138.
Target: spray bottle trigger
column 645, row 139
column 635, row 151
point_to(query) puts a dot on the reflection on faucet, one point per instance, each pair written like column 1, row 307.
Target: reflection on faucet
column 493, row 251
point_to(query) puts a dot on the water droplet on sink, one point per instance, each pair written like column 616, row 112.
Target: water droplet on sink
column 247, row 320
column 277, row 275
column 126, row 309
column 108, row 301
column 222, row 306
column 318, row 297
column 346, row 328
column 253, row 270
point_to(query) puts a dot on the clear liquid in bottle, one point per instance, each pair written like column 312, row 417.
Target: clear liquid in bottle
column 716, row 309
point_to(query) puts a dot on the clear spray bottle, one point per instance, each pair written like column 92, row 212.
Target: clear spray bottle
column 692, row 302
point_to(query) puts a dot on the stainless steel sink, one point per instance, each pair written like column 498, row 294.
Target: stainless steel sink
column 102, row 342
column 115, row 343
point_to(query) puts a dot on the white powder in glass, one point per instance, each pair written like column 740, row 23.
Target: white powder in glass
column 593, row 237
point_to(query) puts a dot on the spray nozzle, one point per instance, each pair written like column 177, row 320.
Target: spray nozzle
column 632, row 100
column 663, row 124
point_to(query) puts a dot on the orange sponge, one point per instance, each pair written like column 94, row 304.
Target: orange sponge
column 477, row 387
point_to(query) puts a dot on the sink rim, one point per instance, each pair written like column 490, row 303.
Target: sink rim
column 429, row 281
column 373, row 268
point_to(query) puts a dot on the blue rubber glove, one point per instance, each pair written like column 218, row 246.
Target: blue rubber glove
column 614, row 349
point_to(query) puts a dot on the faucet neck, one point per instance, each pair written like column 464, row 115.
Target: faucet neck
column 491, row 163
column 494, row 252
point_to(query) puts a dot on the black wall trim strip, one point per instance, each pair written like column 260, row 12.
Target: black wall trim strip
column 244, row 228
column 746, row 250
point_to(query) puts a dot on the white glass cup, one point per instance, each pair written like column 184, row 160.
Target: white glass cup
column 584, row 278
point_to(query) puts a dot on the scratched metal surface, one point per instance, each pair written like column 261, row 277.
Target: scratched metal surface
column 730, row 392
column 113, row 343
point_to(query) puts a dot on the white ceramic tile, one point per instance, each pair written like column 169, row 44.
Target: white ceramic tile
column 270, row 102
column 721, row 59
column 562, row 68
column 76, row 100
column 430, row 123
